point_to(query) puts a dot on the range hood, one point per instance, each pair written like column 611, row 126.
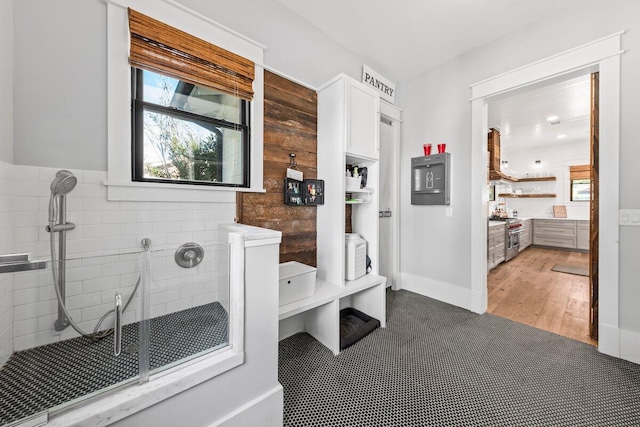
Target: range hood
column 495, row 174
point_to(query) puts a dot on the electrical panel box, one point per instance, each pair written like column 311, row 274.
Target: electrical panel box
column 430, row 179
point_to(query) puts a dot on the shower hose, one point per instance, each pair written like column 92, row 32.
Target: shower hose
column 96, row 334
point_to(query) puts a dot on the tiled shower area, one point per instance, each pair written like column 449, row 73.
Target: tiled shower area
column 175, row 314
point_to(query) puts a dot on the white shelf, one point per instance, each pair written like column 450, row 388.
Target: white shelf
column 327, row 292
column 360, row 200
column 361, row 190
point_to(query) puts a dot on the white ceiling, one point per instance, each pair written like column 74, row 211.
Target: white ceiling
column 522, row 117
column 409, row 37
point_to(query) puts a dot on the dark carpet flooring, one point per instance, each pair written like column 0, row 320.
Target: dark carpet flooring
column 439, row 365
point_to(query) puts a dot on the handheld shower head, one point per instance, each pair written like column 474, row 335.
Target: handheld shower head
column 63, row 183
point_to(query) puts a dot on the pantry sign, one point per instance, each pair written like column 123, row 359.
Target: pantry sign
column 386, row 88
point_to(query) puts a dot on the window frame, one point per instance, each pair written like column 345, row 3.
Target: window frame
column 138, row 108
column 579, row 173
column 572, row 182
column 119, row 184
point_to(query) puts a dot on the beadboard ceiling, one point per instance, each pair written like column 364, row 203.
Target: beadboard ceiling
column 522, row 117
column 411, row 36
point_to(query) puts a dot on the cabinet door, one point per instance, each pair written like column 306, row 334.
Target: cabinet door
column 363, row 121
column 583, row 237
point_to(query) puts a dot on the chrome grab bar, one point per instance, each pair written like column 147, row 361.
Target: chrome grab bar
column 117, row 327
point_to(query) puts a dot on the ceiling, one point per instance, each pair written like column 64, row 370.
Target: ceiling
column 410, row 37
column 522, row 117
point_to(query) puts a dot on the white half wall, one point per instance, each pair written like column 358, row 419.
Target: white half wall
column 250, row 394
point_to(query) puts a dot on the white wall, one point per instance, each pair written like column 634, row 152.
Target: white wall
column 437, row 109
column 60, row 84
column 555, row 162
column 6, row 279
column 6, row 157
column 6, row 76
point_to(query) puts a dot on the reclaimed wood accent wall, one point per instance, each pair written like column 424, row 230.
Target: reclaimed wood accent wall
column 290, row 126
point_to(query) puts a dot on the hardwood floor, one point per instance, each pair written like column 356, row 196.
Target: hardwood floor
column 525, row 290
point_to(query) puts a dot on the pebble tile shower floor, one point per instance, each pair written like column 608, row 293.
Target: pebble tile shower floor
column 40, row 378
column 439, row 365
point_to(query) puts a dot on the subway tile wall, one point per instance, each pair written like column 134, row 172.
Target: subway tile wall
column 6, row 280
column 104, row 253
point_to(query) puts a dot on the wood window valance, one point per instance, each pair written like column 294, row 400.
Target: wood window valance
column 158, row 47
column 580, row 172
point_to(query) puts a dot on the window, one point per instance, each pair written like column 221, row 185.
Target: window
column 580, row 180
column 191, row 103
column 187, row 133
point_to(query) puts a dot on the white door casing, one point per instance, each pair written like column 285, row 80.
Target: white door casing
column 601, row 55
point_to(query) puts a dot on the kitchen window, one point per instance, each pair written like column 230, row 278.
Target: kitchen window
column 580, row 182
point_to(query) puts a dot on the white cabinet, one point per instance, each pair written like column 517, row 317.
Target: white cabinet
column 348, row 127
column 363, row 123
column 496, row 245
column 557, row 233
column 583, row 233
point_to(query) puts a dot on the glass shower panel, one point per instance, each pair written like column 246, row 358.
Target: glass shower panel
column 50, row 370
column 189, row 305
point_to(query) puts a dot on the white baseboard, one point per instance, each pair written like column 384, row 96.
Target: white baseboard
column 620, row 343
column 609, row 340
column 630, row 346
column 265, row 411
column 442, row 291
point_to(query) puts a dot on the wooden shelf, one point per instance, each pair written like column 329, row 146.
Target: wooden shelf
column 499, row 176
column 542, row 178
column 526, row 196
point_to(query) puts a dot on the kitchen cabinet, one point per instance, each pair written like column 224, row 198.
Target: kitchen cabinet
column 582, row 231
column 525, row 235
column 557, row 233
column 496, row 239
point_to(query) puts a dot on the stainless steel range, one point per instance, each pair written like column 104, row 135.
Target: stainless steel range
column 512, row 244
column 514, row 228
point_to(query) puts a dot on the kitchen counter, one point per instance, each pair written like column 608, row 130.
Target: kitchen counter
column 494, row 223
column 558, row 219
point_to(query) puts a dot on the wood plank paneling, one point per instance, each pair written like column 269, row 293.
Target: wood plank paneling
column 290, row 126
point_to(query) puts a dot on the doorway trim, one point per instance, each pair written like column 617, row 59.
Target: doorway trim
column 601, row 55
column 394, row 115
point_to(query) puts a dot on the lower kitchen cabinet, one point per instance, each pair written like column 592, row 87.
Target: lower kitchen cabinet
column 561, row 233
column 525, row 235
column 496, row 245
column 583, row 231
